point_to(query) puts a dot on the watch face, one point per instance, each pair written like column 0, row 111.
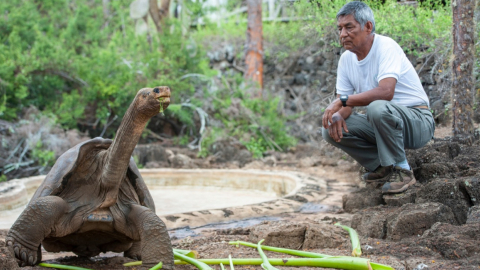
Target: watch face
column 343, row 97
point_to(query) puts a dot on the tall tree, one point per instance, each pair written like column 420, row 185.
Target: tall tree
column 463, row 87
column 159, row 13
column 254, row 45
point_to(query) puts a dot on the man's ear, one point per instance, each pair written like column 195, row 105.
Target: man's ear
column 369, row 27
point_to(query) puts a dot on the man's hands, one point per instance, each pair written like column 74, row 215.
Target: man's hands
column 334, row 121
column 334, row 107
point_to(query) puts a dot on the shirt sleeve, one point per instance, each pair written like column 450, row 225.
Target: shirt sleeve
column 344, row 85
column 390, row 63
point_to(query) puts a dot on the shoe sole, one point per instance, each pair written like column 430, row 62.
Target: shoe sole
column 377, row 181
column 402, row 189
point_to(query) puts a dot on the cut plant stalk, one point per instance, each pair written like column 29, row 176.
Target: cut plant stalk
column 231, row 262
column 221, row 266
column 137, row 263
column 266, row 264
column 375, row 266
column 188, row 253
column 343, row 262
column 156, row 267
column 356, row 249
column 200, row 265
column 282, row 250
column 61, row 266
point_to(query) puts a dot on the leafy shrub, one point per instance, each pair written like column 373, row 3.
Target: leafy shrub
column 43, row 157
column 66, row 58
column 257, row 123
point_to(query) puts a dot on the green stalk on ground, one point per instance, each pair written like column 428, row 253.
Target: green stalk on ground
column 343, row 262
column 375, row 266
column 61, row 266
column 282, row 250
column 200, row 265
column 156, row 267
column 188, row 253
column 356, row 249
column 230, row 262
column 266, row 264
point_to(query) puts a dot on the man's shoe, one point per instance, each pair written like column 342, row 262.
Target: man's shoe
column 380, row 175
column 399, row 182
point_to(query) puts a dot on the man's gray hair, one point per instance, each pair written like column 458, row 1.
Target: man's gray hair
column 361, row 12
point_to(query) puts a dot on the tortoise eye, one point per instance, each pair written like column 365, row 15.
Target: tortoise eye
column 156, row 90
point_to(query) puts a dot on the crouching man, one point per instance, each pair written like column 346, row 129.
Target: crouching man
column 375, row 72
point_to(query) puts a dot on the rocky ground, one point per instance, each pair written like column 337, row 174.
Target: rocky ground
column 434, row 225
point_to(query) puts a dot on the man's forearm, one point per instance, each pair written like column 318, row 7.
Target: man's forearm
column 384, row 91
column 365, row 98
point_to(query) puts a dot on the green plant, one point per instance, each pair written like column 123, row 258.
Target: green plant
column 181, row 140
column 200, row 265
column 266, row 264
column 43, row 157
column 64, row 58
column 340, row 262
column 256, row 147
column 137, row 161
column 256, row 123
column 301, row 253
column 3, row 178
column 61, row 266
column 356, row 249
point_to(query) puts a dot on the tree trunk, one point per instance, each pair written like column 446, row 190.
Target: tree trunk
column 254, row 45
column 106, row 8
column 159, row 14
column 463, row 86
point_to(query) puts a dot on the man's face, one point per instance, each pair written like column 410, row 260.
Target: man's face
column 352, row 37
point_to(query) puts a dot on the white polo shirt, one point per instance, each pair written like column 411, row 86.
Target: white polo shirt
column 385, row 60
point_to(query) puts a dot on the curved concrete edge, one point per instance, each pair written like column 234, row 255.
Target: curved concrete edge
column 12, row 195
column 308, row 189
column 279, row 182
column 17, row 192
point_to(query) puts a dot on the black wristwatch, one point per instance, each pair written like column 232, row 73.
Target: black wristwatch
column 343, row 99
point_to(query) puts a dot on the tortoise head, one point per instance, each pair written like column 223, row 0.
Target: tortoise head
column 150, row 101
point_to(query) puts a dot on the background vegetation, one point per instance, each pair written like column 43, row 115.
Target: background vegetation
column 81, row 68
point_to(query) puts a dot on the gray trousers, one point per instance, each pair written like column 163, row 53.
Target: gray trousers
column 381, row 136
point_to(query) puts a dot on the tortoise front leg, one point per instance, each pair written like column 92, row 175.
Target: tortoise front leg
column 34, row 224
column 155, row 245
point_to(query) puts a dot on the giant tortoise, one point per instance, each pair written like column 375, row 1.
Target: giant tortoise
column 94, row 199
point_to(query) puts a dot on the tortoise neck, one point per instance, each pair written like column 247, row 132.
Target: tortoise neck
column 119, row 153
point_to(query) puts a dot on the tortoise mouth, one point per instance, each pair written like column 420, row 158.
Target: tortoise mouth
column 164, row 101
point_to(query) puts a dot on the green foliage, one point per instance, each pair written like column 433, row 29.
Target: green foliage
column 181, row 140
column 45, row 158
column 3, row 178
column 137, row 161
column 256, row 123
column 210, row 136
column 414, row 28
column 65, row 57
column 257, row 147
column 184, row 114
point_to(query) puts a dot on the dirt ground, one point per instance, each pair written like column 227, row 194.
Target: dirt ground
column 434, row 225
